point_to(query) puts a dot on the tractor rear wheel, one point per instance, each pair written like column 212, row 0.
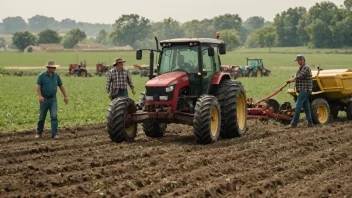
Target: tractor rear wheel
column 320, row 111
column 334, row 110
column 232, row 98
column 120, row 125
column 153, row 129
column 207, row 120
column 83, row 73
column 259, row 73
column 349, row 110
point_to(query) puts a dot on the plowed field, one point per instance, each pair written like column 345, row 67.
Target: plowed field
column 269, row 161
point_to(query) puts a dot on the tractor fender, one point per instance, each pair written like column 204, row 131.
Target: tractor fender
column 218, row 77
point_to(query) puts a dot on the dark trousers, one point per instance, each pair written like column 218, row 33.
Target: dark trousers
column 121, row 93
column 48, row 105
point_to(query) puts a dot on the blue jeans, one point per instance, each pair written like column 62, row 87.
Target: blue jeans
column 302, row 102
column 120, row 94
column 51, row 105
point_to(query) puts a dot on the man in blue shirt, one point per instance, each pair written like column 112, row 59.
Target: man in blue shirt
column 47, row 84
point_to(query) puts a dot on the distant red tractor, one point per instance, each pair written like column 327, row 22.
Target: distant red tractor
column 102, row 69
column 79, row 70
column 188, row 88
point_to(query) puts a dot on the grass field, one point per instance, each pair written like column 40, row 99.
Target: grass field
column 88, row 100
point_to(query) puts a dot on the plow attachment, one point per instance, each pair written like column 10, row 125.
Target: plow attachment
column 269, row 108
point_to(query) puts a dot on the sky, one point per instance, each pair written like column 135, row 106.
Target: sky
column 107, row 11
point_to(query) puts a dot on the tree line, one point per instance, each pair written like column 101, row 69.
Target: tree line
column 325, row 25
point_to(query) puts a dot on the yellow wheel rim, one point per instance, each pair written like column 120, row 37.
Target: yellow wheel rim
column 259, row 74
column 241, row 111
column 214, row 124
column 250, row 74
column 322, row 114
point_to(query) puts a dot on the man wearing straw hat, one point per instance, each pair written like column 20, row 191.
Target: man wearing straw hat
column 117, row 80
column 47, row 84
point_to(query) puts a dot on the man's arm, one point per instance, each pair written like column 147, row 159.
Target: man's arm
column 129, row 81
column 39, row 93
column 108, row 83
column 63, row 91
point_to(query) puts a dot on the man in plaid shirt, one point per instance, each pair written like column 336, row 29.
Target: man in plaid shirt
column 117, row 79
column 304, row 85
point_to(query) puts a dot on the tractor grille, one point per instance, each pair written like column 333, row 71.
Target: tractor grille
column 156, row 92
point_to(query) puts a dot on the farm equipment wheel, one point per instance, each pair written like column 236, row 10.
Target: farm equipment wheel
column 153, row 129
column 320, row 111
column 274, row 104
column 207, row 119
column 259, row 73
column 285, row 106
column 232, row 98
column 334, row 110
column 120, row 125
column 83, row 73
column 349, row 110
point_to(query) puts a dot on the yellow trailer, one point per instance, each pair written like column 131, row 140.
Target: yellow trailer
column 332, row 92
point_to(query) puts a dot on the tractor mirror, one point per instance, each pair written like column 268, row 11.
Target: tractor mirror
column 222, row 48
column 139, row 55
column 211, row 51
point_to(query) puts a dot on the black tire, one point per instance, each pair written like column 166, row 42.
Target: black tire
column 229, row 94
column 153, row 129
column 334, row 110
column 118, row 113
column 320, row 111
column 349, row 110
column 207, row 119
column 83, row 73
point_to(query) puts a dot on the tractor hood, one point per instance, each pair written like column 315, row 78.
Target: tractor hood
column 166, row 79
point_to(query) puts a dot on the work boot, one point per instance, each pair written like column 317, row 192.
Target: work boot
column 310, row 125
column 38, row 136
column 291, row 126
column 56, row 137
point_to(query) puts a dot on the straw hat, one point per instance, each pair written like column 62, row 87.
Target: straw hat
column 52, row 64
column 119, row 60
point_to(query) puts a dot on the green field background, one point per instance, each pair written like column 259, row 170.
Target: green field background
column 88, row 101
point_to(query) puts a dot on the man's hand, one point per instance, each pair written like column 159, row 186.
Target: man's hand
column 65, row 100
column 41, row 99
column 133, row 91
column 109, row 95
column 291, row 80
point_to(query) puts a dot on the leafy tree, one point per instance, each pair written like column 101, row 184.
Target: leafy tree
column 73, row 37
column 23, row 39
column 253, row 23
column 2, row 42
column 264, row 37
column 231, row 39
column 227, row 22
column 68, row 23
column 48, row 36
column 198, row 29
column 286, row 25
column 14, row 24
column 130, row 28
column 1, row 28
column 168, row 29
column 101, row 38
column 39, row 23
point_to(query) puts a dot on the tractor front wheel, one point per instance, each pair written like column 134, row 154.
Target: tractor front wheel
column 153, row 129
column 349, row 110
column 207, row 119
column 259, row 73
column 232, row 98
column 320, row 111
column 120, row 125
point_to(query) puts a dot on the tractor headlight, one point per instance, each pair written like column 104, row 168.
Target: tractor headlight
column 163, row 97
column 170, row 88
column 149, row 97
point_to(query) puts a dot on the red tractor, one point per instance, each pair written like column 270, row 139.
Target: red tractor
column 188, row 88
column 78, row 70
column 102, row 68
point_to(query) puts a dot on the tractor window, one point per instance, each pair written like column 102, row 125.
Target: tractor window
column 207, row 61
column 254, row 63
column 217, row 59
column 179, row 58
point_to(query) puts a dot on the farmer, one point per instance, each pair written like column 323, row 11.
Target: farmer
column 117, row 79
column 304, row 86
column 47, row 84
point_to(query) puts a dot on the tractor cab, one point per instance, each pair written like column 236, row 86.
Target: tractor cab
column 195, row 60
